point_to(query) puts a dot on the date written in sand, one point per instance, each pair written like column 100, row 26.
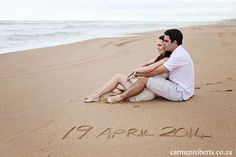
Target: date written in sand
column 86, row 131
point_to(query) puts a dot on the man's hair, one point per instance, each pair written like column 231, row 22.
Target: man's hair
column 175, row 34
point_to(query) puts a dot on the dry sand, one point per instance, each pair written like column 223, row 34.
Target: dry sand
column 42, row 111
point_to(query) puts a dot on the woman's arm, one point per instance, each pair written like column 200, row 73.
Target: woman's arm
column 151, row 67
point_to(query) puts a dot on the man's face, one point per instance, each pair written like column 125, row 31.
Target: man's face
column 168, row 45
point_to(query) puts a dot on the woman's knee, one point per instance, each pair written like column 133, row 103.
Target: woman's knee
column 118, row 76
column 143, row 79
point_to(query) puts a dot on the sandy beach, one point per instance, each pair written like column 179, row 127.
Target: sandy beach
column 42, row 113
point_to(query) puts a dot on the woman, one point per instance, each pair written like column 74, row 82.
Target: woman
column 126, row 82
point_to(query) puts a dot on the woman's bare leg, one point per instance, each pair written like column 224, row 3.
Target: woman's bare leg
column 93, row 93
column 135, row 89
column 119, row 88
column 108, row 87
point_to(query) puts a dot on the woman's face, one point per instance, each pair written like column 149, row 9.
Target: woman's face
column 160, row 46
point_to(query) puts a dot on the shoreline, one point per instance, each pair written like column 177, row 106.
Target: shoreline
column 45, row 45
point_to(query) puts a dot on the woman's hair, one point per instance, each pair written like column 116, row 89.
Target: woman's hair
column 166, row 54
column 161, row 37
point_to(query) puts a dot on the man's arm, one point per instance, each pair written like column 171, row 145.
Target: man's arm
column 151, row 67
column 157, row 71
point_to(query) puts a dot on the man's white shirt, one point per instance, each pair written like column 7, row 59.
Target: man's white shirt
column 181, row 71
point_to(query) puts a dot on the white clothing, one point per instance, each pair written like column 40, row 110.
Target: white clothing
column 181, row 71
column 165, row 88
column 146, row 94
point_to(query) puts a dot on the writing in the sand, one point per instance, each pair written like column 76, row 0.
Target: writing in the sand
column 86, row 131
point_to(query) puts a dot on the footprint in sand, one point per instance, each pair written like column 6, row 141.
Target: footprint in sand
column 212, row 83
column 230, row 79
column 227, row 90
column 124, row 42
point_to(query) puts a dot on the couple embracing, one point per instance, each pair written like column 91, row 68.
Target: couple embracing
column 170, row 75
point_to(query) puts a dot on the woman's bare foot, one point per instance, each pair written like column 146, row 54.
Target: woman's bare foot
column 91, row 99
column 114, row 99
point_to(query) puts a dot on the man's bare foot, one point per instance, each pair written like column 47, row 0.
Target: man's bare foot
column 114, row 99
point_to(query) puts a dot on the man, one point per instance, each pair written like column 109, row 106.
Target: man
column 180, row 84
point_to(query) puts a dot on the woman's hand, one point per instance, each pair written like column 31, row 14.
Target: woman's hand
column 131, row 76
column 138, row 74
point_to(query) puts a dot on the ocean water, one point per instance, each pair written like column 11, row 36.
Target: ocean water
column 22, row 35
